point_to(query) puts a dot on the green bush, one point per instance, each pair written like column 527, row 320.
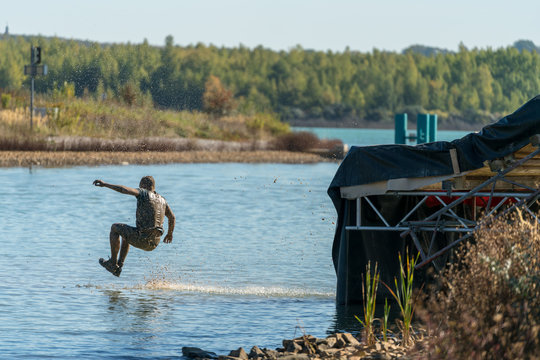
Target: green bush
column 270, row 123
column 6, row 100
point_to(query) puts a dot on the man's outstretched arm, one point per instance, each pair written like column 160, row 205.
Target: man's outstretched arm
column 120, row 188
column 172, row 221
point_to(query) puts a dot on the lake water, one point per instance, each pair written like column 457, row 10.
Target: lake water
column 250, row 263
column 372, row 136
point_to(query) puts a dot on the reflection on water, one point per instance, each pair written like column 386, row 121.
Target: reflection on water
column 116, row 300
column 344, row 319
column 141, row 314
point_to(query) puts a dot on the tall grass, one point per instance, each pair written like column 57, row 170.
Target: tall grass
column 404, row 295
column 369, row 294
column 487, row 305
column 107, row 119
column 17, row 122
column 385, row 320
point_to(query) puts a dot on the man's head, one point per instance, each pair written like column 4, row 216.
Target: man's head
column 148, row 183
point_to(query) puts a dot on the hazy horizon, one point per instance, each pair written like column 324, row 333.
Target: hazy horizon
column 251, row 47
column 387, row 25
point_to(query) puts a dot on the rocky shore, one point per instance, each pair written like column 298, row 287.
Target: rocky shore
column 336, row 346
column 95, row 158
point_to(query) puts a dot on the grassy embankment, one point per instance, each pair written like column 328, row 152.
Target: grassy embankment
column 144, row 134
column 114, row 121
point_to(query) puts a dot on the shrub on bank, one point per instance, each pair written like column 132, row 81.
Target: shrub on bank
column 5, row 100
column 296, row 141
column 304, row 141
column 489, row 305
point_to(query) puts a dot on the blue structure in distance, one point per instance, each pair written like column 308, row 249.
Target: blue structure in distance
column 432, row 127
column 400, row 127
column 426, row 129
column 422, row 128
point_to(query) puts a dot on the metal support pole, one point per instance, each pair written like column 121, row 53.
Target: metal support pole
column 525, row 201
column 358, row 212
column 32, row 103
column 377, row 212
column 418, row 246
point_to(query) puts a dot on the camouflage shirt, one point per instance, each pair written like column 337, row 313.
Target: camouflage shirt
column 150, row 209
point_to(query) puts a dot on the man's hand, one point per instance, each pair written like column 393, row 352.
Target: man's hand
column 120, row 188
column 172, row 221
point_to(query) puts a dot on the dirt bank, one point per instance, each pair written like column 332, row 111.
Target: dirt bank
column 75, row 158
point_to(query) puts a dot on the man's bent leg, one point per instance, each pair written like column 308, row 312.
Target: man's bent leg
column 123, row 252
column 114, row 264
column 114, row 238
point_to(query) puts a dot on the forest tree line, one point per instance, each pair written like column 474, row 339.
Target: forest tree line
column 474, row 84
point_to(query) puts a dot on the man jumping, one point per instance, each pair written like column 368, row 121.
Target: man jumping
column 151, row 209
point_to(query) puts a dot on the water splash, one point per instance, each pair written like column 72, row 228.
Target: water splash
column 260, row 291
column 255, row 291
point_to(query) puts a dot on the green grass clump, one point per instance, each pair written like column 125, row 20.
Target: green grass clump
column 369, row 294
column 385, row 320
column 404, row 296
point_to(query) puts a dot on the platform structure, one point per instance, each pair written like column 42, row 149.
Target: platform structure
column 394, row 198
column 459, row 204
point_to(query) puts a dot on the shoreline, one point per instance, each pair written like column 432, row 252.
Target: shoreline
column 308, row 347
column 451, row 125
column 98, row 158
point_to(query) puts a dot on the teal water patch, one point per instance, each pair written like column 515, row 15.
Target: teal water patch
column 365, row 137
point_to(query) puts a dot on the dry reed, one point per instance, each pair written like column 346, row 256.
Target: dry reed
column 489, row 304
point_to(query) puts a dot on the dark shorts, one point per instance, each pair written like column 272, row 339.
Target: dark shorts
column 145, row 239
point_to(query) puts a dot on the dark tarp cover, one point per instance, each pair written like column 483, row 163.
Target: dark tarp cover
column 368, row 164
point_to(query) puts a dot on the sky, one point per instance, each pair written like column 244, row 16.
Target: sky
column 361, row 25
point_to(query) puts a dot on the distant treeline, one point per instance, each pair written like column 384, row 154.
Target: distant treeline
column 472, row 84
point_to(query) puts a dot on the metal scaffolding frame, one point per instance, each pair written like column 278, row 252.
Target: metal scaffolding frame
column 446, row 219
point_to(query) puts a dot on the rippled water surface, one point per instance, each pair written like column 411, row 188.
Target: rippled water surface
column 250, row 263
